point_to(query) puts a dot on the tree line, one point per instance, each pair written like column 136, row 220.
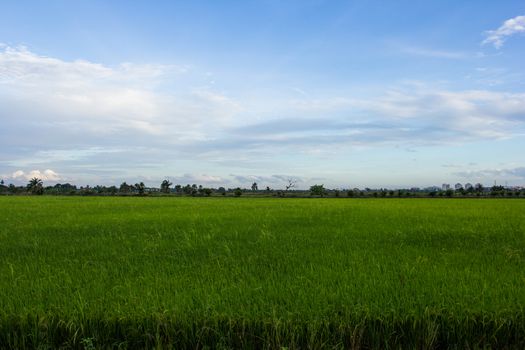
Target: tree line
column 35, row 186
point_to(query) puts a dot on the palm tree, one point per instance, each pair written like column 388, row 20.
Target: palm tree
column 35, row 186
column 140, row 187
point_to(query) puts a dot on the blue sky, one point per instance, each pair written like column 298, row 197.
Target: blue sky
column 345, row 93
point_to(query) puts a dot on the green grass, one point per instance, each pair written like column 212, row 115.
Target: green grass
column 261, row 273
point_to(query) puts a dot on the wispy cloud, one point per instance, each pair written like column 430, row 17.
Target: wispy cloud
column 268, row 180
column 423, row 116
column 203, row 179
column 513, row 173
column 510, row 27
column 90, row 98
column 61, row 112
column 426, row 52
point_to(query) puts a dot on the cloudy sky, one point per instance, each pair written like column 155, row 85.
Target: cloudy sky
column 224, row 93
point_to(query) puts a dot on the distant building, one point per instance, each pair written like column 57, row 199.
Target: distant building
column 458, row 186
column 445, row 187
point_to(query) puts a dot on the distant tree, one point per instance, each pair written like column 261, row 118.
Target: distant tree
column 478, row 188
column 178, row 188
column 254, row 187
column 432, row 193
column 208, row 192
column 187, row 189
column 86, row 191
column 35, row 186
column 237, row 192
column 268, row 189
column 190, row 189
column 67, row 188
column 449, row 192
column 2, row 182
column 497, row 191
column 141, row 188
column 317, row 190
column 165, row 186
column 222, row 191
column 125, row 188
column 350, row 193
column 337, row 193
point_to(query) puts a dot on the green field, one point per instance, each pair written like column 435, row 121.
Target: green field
column 137, row 272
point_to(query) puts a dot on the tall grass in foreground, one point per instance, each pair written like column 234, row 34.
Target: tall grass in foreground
column 261, row 273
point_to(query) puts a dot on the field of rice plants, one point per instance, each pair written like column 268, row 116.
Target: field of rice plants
column 138, row 272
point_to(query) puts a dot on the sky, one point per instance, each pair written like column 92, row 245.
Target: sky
column 225, row 93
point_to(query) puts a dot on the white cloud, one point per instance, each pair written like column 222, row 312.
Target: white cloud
column 46, row 175
column 92, row 98
column 99, row 122
column 471, row 114
column 509, row 27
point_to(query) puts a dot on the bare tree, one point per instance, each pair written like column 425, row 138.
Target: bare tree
column 291, row 184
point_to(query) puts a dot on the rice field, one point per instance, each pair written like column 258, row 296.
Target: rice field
column 262, row 273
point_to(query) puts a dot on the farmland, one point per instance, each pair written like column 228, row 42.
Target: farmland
column 84, row 272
